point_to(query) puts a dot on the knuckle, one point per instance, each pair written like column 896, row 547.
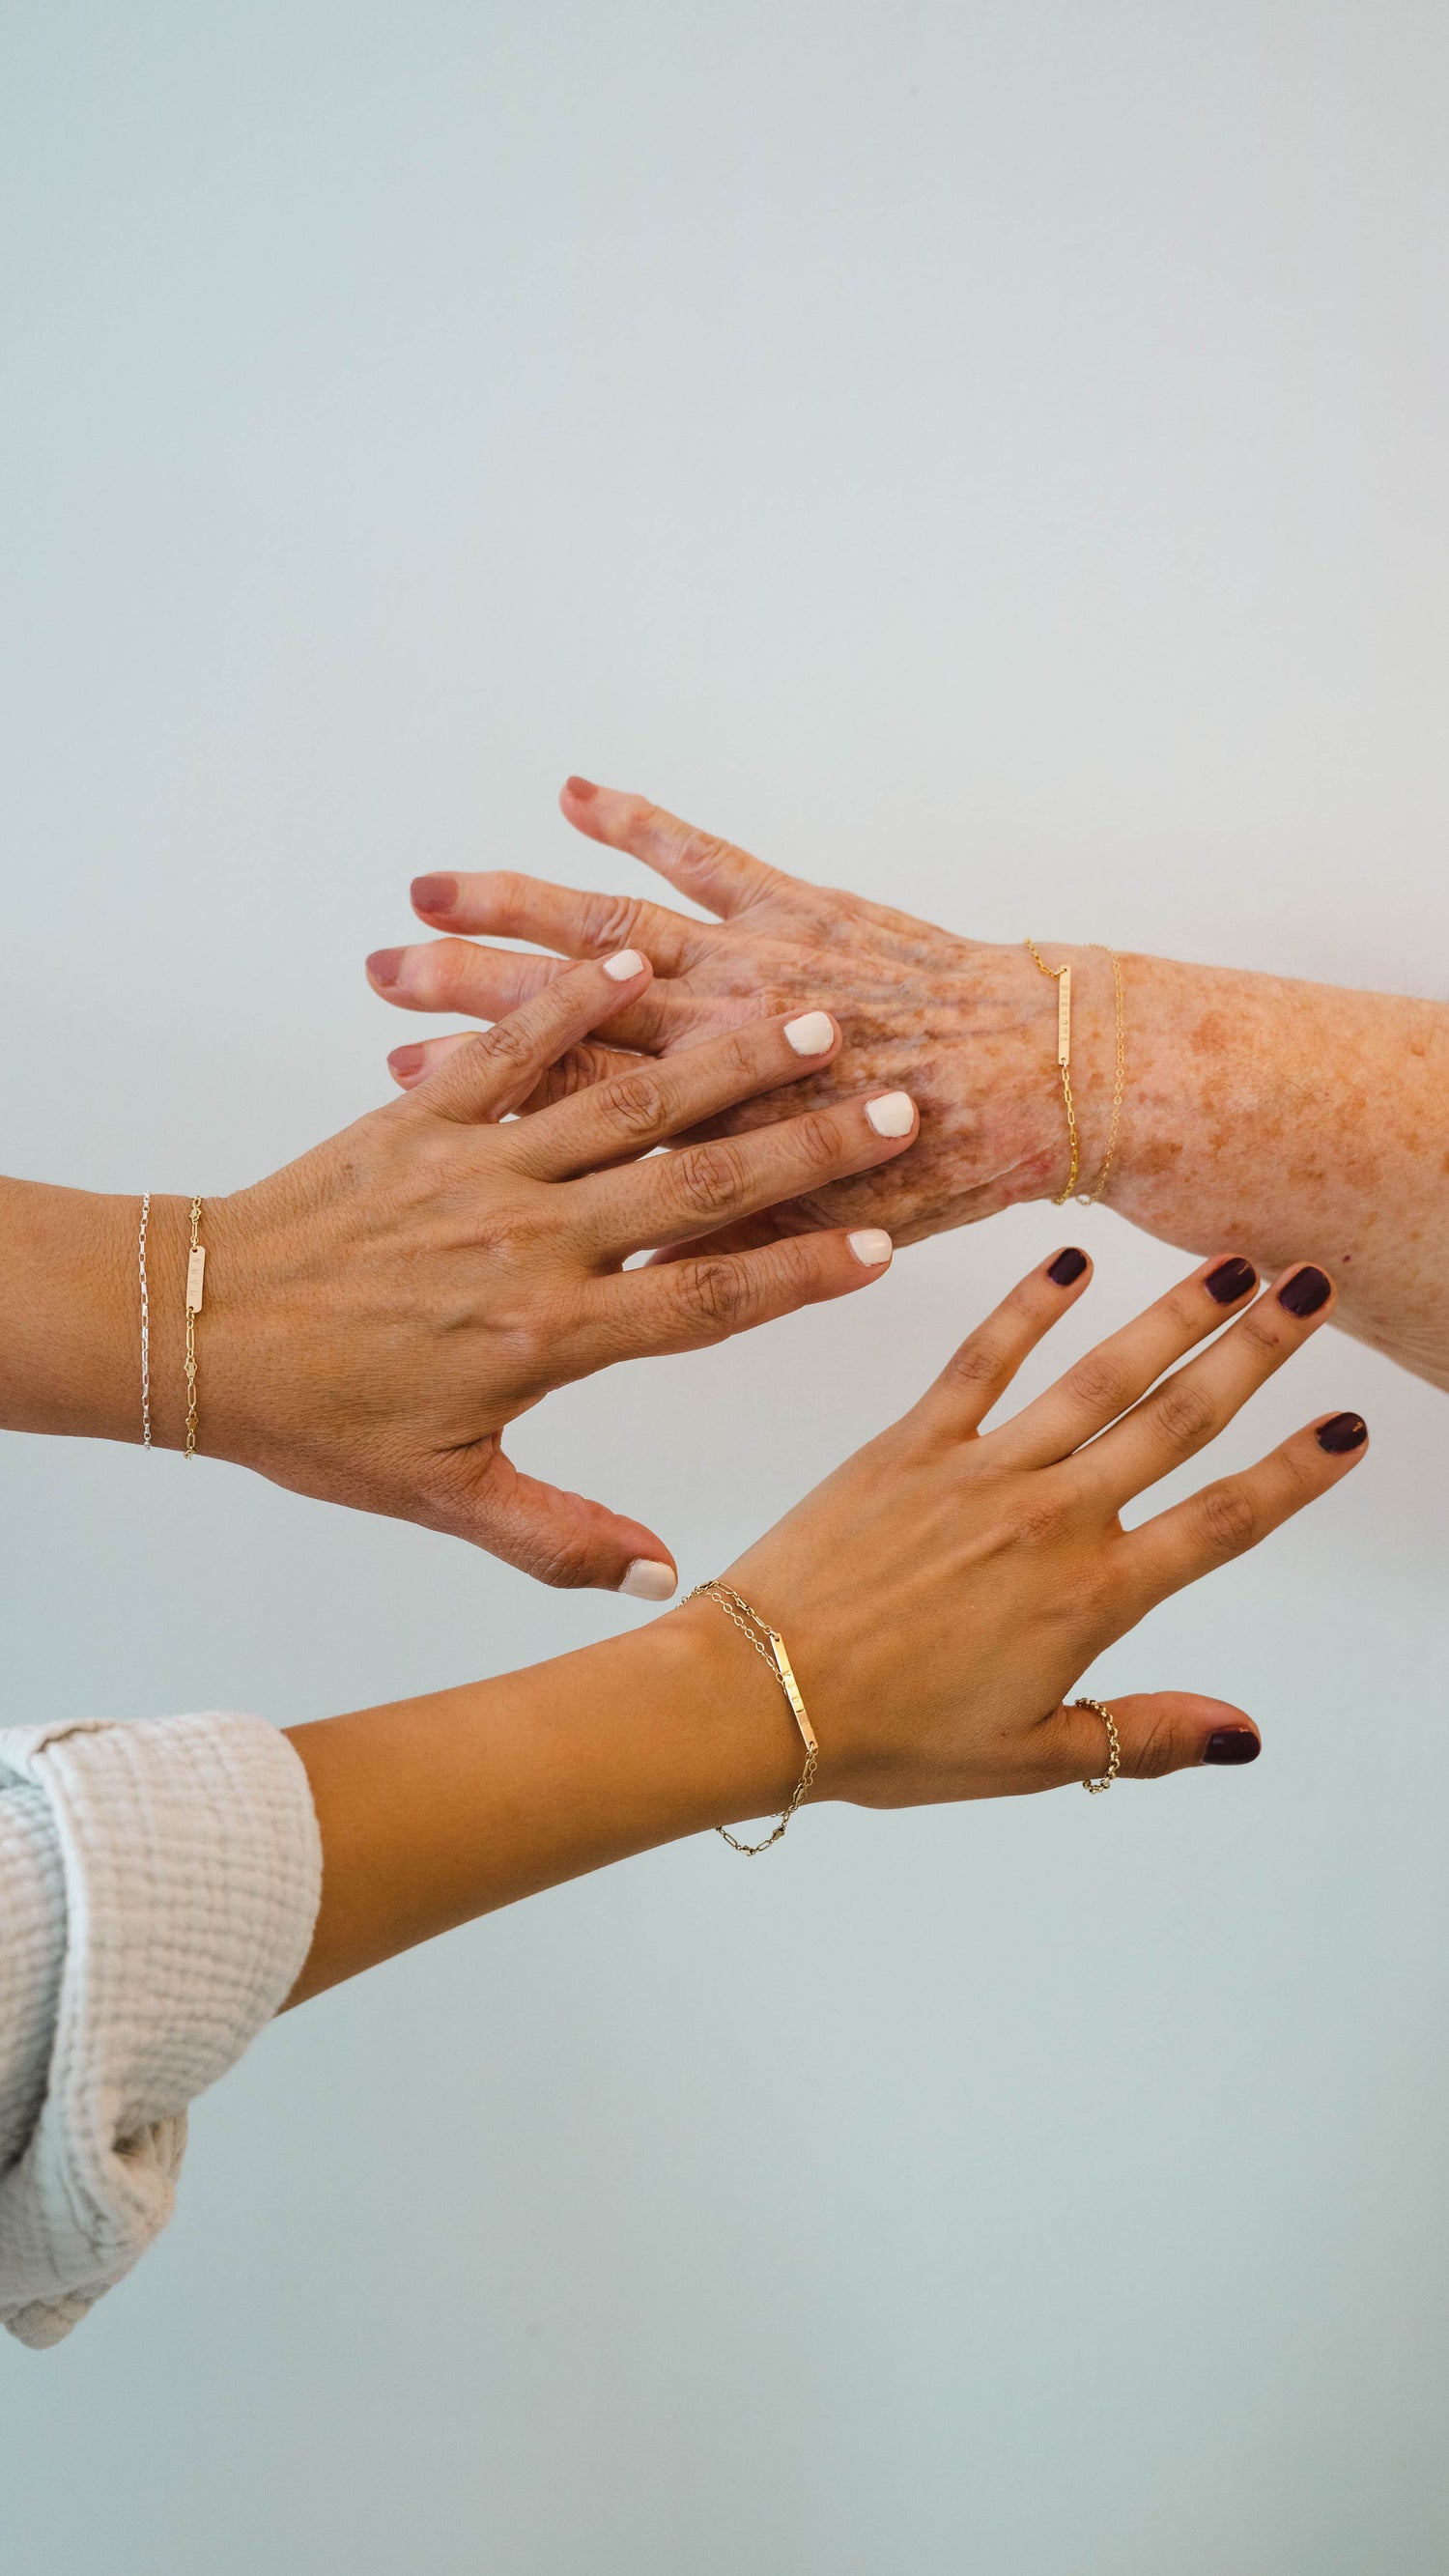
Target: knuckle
column 710, row 1179
column 711, row 1295
column 611, row 921
column 818, row 1140
column 1230, row 1518
column 1182, row 1413
column 978, row 1362
column 636, row 1104
column 512, row 1042
column 1259, row 1330
column 1155, row 1753
column 1101, row 1382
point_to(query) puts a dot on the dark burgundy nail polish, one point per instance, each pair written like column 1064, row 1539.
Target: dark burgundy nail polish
column 1232, row 1744
column 405, row 1059
column 1306, row 1291
column 384, row 963
column 1067, row 1266
column 1346, row 1431
column 434, row 894
column 582, row 790
column 1231, row 1280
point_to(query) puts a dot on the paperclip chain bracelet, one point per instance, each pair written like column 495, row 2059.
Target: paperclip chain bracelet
column 769, row 1645
column 195, row 1282
column 1061, row 976
column 145, row 1325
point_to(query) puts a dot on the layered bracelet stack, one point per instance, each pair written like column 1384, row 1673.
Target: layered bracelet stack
column 1061, row 976
column 195, row 1283
column 769, row 1645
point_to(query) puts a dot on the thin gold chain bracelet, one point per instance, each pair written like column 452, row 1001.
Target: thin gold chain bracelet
column 195, row 1283
column 1061, row 976
column 769, row 1645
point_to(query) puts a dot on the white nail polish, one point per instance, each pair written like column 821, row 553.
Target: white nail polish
column 628, row 963
column 648, row 1580
column 871, row 1246
column 893, row 1114
column 811, row 1034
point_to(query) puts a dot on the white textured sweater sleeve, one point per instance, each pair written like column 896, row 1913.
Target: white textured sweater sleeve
column 158, row 1886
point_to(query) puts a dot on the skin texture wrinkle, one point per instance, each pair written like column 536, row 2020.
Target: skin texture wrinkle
column 1300, row 1120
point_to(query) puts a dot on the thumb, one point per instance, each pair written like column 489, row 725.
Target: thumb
column 1159, row 1731
column 562, row 1538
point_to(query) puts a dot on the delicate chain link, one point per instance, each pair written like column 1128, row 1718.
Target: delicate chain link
column 756, row 1630
column 193, row 1307
column 1094, row 1788
column 145, row 1327
column 1120, row 1078
column 1061, row 976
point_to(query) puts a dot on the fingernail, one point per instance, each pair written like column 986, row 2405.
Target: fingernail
column 625, row 966
column 812, row 1033
column 871, row 1246
column 433, row 894
column 405, row 1060
column 1346, row 1431
column 1306, row 1291
column 1232, row 1744
column 648, row 1580
column 582, row 790
column 1067, row 1266
column 893, row 1114
column 1231, row 1280
column 385, row 964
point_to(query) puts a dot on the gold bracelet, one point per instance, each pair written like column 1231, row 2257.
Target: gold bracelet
column 770, row 1646
column 1061, row 976
column 195, row 1281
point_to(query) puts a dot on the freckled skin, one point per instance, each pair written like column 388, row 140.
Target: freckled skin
column 1285, row 1120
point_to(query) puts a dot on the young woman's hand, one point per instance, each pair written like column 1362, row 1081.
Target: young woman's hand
column 943, row 1593
column 377, row 1313
column 941, row 1596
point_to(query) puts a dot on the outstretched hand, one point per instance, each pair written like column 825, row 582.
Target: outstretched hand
column 966, row 1026
column 379, row 1312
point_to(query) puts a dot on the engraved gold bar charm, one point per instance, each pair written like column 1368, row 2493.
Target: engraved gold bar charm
column 1064, row 1015
column 792, row 1690
column 195, row 1279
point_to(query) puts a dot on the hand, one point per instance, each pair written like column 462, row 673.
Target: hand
column 969, row 1028
column 380, row 1311
column 940, row 1596
column 943, row 1593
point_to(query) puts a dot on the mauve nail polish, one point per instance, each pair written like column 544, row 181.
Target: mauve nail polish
column 582, row 790
column 1067, row 1266
column 406, row 1059
column 1232, row 1744
column 1231, row 1280
column 1346, row 1431
column 433, row 894
column 1306, row 1291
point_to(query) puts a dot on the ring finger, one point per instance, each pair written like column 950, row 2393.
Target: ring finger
column 1189, row 1409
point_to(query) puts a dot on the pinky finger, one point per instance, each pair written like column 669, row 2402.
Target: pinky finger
column 685, row 1305
column 1225, row 1519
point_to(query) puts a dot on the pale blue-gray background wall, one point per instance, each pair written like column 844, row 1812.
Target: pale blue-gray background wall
column 991, row 456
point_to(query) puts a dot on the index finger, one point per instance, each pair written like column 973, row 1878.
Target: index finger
column 724, row 879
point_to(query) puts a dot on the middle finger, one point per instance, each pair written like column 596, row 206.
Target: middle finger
column 670, row 1198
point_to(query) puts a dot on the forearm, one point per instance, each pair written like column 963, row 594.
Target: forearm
column 70, row 1350
column 435, row 1810
column 1297, row 1122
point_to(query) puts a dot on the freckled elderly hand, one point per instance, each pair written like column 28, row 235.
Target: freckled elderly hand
column 383, row 1308
column 967, row 1027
